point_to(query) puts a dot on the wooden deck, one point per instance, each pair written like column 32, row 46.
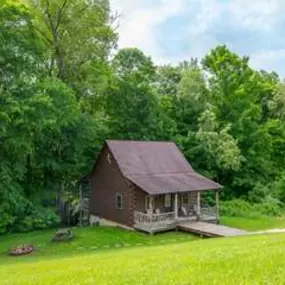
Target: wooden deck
column 209, row 230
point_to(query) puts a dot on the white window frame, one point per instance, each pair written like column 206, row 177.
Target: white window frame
column 119, row 196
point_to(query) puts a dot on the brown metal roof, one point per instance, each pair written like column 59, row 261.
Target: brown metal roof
column 157, row 167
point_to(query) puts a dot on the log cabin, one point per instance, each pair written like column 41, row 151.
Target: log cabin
column 149, row 186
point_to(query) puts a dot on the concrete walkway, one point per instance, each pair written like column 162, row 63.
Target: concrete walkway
column 271, row 231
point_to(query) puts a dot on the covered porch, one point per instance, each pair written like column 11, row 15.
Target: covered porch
column 164, row 211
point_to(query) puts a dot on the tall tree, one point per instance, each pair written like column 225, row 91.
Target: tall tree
column 46, row 142
column 79, row 37
column 167, row 80
column 240, row 96
column 131, row 103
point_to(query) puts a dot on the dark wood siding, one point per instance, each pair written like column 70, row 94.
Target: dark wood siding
column 106, row 181
column 140, row 198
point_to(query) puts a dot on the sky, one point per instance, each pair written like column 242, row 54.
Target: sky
column 173, row 30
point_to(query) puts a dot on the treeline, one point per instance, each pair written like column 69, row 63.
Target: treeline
column 65, row 88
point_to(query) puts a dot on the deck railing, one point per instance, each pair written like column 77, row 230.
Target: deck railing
column 207, row 212
column 157, row 222
column 142, row 218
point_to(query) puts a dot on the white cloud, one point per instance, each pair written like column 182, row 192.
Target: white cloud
column 199, row 28
column 205, row 27
column 209, row 12
column 267, row 59
column 137, row 23
column 124, row 6
column 256, row 15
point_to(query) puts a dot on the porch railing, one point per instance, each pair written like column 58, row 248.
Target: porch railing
column 208, row 212
column 142, row 218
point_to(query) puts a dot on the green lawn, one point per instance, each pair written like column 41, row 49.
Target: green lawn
column 106, row 255
column 87, row 239
column 241, row 260
column 254, row 224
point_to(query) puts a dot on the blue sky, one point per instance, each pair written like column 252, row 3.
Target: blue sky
column 174, row 30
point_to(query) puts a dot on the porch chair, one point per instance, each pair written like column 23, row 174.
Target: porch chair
column 184, row 211
column 149, row 211
column 157, row 217
column 193, row 210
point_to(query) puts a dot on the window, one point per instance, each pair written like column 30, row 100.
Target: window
column 167, row 201
column 109, row 158
column 119, row 201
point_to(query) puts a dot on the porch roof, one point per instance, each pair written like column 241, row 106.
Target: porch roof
column 172, row 183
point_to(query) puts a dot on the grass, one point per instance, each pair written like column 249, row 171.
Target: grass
column 254, row 224
column 108, row 256
column 240, row 260
column 87, row 239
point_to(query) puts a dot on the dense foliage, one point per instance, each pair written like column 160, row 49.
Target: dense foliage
column 64, row 89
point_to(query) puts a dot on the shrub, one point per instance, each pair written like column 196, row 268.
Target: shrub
column 241, row 208
column 235, row 208
column 36, row 218
column 40, row 218
column 270, row 207
column 278, row 188
column 6, row 221
column 258, row 193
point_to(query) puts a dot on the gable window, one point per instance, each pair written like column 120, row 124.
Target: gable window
column 109, row 158
column 167, row 201
column 119, row 201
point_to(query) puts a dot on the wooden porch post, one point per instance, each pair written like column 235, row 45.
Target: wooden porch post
column 198, row 214
column 217, row 206
column 176, row 206
column 150, row 206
